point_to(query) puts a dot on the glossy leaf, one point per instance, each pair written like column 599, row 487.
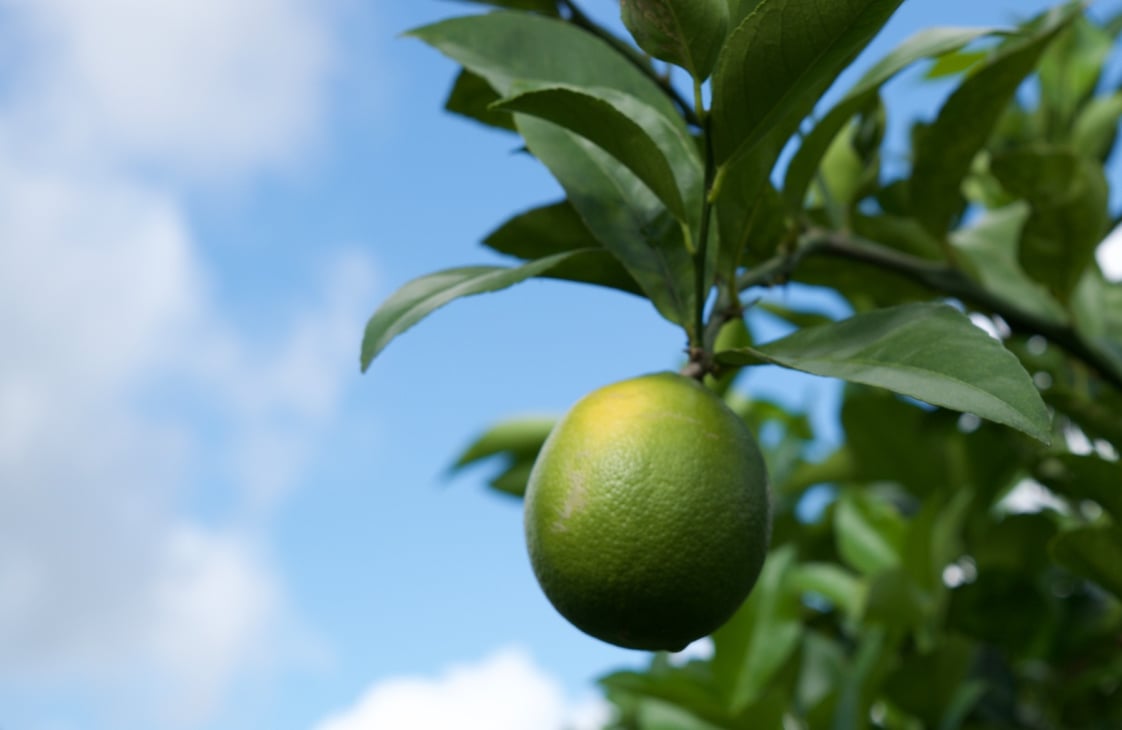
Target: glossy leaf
column 927, row 351
column 778, row 62
column 1068, row 198
column 927, row 43
column 688, row 33
column 504, row 47
column 623, row 214
column 553, row 229
column 1094, row 553
column 652, row 148
column 420, row 297
column 945, row 150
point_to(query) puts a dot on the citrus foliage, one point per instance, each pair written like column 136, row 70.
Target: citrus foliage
column 909, row 585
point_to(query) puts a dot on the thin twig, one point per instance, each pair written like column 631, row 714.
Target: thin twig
column 938, row 277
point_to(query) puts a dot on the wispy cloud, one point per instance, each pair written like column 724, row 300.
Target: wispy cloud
column 108, row 111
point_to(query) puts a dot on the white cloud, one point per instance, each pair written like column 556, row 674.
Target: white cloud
column 106, row 302
column 505, row 691
column 199, row 86
column 1109, row 255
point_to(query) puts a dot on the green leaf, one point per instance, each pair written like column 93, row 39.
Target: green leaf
column 991, row 244
column 517, row 437
column 472, row 96
column 945, row 150
column 751, row 217
column 927, row 351
column 778, row 62
column 834, row 583
column 1096, row 128
column 420, row 297
column 553, row 229
column 1070, row 70
column 761, row 636
column 1069, row 217
column 505, row 47
column 870, row 534
column 1084, row 477
column 688, row 33
column 658, row 152
column 1094, row 553
column 925, row 44
column 623, row 214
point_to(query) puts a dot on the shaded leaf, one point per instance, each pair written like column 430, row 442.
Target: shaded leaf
column 945, row 150
column 1068, row 218
column 548, row 7
column 927, row 351
column 472, row 96
column 834, row 583
column 420, row 297
column 760, row 637
column 1084, row 477
column 778, row 62
column 553, row 229
column 924, row 44
column 1070, row 70
column 1096, row 128
column 688, row 33
column 1094, row 553
column 656, row 151
column 627, row 219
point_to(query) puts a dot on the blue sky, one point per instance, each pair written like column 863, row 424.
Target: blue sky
column 208, row 518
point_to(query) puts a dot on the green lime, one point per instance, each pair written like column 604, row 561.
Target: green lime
column 647, row 514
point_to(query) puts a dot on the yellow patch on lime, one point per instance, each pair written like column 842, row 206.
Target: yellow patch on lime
column 647, row 515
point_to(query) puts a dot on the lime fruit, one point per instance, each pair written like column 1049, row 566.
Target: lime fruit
column 647, row 515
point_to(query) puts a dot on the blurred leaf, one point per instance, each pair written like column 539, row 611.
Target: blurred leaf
column 760, row 637
column 686, row 688
column 856, row 693
column 514, row 436
column 925, row 684
column 514, row 479
column 688, row 33
column 1097, row 305
column 945, row 150
column 751, row 217
column 417, row 299
column 627, row 219
column 1084, row 477
column 780, row 60
column 472, row 96
column 505, row 47
column 1068, row 217
column 658, row 152
column 927, row 351
column 1097, row 418
column 553, row 229
column 869, row 532
column 990, row 244
column 927, row 43
column 934, row 539
column 954, row 64
column 834, row 583
column 1096, row 128
column 1070, row 70
column 1094, row 553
